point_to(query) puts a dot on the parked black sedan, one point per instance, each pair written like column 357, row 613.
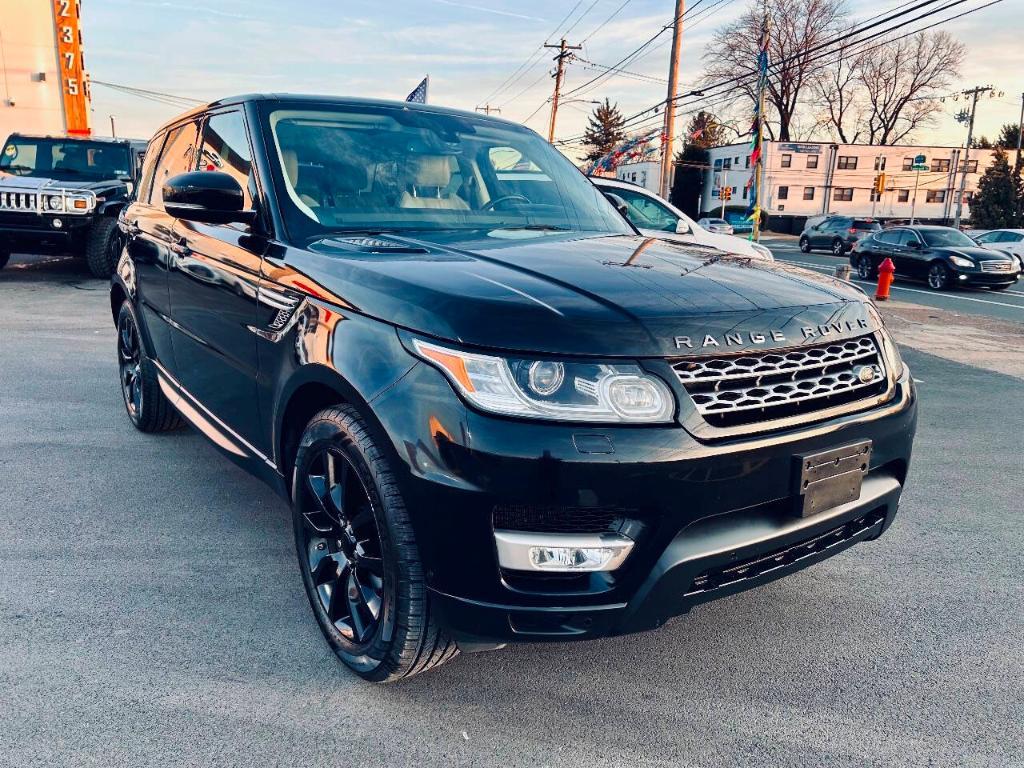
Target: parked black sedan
column 942, row 256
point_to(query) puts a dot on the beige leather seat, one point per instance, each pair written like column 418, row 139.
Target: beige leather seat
column 428, row 178
column 291, row 168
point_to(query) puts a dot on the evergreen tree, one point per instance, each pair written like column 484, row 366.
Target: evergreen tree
column 605, row 130
column 703, row 132
column 1007, row 138
column 997, row 201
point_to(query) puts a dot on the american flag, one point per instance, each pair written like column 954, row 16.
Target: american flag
column 419, row 95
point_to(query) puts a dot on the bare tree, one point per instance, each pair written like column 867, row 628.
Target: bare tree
column 902, row 83
column 841, row 97
column 797, row 26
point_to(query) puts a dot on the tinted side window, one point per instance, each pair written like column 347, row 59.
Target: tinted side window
column 149, row 167
column 645, row 213
column 907, row 237
column 179, row 156
column 226, row 149
column 887, row 238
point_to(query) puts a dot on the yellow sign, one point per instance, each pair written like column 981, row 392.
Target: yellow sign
column 74, row 80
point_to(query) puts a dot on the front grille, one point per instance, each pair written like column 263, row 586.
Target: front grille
column 556, row 519
column 751, row 568
column 996, row 266
column 19, row 201
column 750, row 388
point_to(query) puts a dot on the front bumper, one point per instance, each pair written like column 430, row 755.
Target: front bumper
column 34, row 233
column 704, row 516
column 977, row 277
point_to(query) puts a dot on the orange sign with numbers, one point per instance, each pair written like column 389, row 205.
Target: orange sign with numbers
column 74, row 81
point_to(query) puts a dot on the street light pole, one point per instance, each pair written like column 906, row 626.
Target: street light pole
column 913, row 203
column 1020, row 131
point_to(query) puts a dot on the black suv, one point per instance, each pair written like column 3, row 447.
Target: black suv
column 837, row 233
column 62, row 195
column 498, row 412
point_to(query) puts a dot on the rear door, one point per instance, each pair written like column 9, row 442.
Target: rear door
column 150, row 236
column 213, row 285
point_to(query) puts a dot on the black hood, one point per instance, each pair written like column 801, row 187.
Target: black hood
column 973, row 252
column 569, row 294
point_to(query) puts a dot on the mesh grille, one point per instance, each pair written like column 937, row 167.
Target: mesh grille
column 553, row 519
column 19, row 201
column 745, row 389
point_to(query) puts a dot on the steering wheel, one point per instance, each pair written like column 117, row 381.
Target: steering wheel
column 494, row 203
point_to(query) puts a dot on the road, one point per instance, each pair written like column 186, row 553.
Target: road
column 151, row 611
column 1002, row 305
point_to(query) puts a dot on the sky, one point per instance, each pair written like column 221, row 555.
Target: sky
column 209, row 49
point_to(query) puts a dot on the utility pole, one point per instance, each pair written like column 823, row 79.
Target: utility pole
column 670, row 101
column 113, row 128
column 974, row 93
column 488, row 109
column 1020, row 131
column 560, row 57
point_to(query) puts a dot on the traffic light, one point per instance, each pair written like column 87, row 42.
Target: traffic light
column 880, row 183
column 727, row 193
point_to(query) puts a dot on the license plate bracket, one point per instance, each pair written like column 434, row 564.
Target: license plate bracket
column 827, row 479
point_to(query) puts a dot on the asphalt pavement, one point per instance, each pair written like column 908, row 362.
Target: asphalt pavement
column 151, row 610
column 1001, row 305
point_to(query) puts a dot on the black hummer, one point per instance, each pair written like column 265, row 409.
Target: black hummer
column 499, row 412
column 60, row 194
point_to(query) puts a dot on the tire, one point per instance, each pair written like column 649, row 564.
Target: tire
column 805, row 245
column 866, row 269
column 357, row 552
column 103, row 248
column 939, row 278
column 4, row 258
column 147, row 407
column 838, row 247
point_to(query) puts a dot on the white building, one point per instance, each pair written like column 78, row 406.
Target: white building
column 803, row 179
column 647, row 174
column 43, row 85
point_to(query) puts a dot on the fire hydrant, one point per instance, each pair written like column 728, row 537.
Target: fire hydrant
column 885, row 273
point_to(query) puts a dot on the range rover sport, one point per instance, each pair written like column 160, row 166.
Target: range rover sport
column 498, row 412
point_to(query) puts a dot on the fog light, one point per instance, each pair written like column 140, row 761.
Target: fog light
column 57, row 223
column 519, row 551
column 963, row 277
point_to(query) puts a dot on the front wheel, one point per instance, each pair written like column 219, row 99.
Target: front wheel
column 357, row 552
column 938, row 276
column 103, row 248
column 805, row 245
column 838, row 247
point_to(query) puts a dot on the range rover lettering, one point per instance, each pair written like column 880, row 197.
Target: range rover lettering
column 497, row 411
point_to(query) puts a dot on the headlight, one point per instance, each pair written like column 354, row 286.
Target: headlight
column 892, row 354
column 763, row 251
column 55, row 203
column 555, row 390
column 960, row 261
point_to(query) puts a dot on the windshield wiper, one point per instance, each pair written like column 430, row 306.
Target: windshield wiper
column 537, row 227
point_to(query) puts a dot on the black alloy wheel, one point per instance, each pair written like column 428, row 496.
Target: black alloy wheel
column 357, row 552
column 129, row 361
column 342, row 546
column 805, row 245
column 838, row 247
column 146, row 405
column 938, row 276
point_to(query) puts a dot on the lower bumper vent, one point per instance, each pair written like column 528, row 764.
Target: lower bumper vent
column 558, row 519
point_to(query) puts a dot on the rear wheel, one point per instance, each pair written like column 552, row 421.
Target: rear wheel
column 938, row 276
column 865, row 268
column 103, row 248
column 838, row 247
column 357, row 552
column 147, row 407
column 805, row 245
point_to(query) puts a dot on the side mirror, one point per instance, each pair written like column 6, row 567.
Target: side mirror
column 211, row 197
column 682, row 228
column 619, row 203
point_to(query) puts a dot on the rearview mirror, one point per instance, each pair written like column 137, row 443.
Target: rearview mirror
column 212, row 197
column 682, row 228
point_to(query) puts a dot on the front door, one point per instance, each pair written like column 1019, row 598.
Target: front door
column 213, row 285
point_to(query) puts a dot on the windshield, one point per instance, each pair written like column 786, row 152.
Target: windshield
column 363, row 168
column 66, row 160
column 950, row 237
